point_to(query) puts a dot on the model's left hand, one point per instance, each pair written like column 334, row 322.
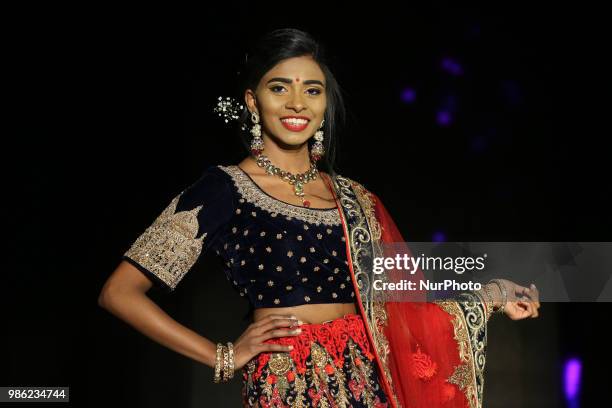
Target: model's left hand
column 523, row 302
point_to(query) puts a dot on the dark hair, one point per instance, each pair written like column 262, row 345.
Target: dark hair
column 276, row 46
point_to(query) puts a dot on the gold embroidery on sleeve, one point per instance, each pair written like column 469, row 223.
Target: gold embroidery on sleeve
column 169, row 248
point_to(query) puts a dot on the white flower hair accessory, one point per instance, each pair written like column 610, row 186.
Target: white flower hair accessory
column 228, row 108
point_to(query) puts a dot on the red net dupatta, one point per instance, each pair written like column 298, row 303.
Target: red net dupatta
column 429, row 354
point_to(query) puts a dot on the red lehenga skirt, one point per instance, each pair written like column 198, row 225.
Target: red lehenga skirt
column 331, row 365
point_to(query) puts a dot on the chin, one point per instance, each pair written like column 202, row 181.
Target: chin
column 290, row 138
column 293, row 142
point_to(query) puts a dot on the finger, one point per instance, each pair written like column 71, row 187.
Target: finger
column 515, row 311
column 278, row 333
column 535, row 293
column 270, row 319
column 274, row 347
column 521, row 291
column 527, row 308
column 535, row 306
column 515, row 293
column 277, row 323
column 533, row 303
column 533, row 312
column 516, row 308
column 532, row 295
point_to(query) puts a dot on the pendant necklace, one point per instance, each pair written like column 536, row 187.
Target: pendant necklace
column 296, row 180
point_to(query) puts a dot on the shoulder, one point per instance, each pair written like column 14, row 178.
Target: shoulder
column 213, row 175
column 216, row 171
column 213, row 185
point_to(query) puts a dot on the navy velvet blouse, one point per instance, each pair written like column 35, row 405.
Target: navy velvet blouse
column 275, row 253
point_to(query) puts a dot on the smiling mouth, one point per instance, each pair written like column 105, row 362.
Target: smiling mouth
column 295, row 125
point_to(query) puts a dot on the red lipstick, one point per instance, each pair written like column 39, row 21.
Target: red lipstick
column 295, row 127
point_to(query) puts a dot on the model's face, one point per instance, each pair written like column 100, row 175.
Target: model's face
column 294, row 87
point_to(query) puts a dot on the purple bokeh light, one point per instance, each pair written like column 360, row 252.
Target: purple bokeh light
column 451, row 66
column 444, row 118
column 571, row 380
column 438, row 236
column 408, row 95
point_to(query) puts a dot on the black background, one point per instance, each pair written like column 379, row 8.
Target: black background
column 110, row 113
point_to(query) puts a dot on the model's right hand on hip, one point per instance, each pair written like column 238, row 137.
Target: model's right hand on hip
column 251, row 342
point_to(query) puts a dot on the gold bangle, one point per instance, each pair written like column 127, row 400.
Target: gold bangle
column 225, row 364
column 218, row 363
column 230, row 357
column 504, row 294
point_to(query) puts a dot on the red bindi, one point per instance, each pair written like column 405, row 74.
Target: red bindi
column 297, row 79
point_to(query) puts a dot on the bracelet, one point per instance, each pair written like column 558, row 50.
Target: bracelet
column 502, row 289
column 225, row 364
column 490, row 303
column 229, row 372
column 218, row 362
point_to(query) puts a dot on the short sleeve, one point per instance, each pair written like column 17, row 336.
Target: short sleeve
column 190, row 224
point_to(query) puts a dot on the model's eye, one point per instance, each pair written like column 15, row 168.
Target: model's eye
column 276, row 87
column 317, row 91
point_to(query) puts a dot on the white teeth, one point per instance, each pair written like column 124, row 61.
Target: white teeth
column 295, row 121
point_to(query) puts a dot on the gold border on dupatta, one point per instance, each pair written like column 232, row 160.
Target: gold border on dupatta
column 364, row 234
column 469, row 324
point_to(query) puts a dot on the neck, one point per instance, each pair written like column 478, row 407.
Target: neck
column 294, row 159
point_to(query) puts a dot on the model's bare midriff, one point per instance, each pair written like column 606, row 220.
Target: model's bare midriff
column 309, row 314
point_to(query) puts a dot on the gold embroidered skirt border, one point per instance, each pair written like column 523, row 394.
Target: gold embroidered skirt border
column 331, row 365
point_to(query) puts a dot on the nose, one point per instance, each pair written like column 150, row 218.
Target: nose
column 296, row 102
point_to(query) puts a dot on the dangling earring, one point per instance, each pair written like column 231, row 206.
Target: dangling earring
column 318, row 150
column 257, row 145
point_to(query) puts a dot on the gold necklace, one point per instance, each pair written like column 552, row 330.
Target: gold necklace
column 296, row 180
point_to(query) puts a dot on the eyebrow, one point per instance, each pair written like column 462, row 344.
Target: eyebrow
column 289, row 80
